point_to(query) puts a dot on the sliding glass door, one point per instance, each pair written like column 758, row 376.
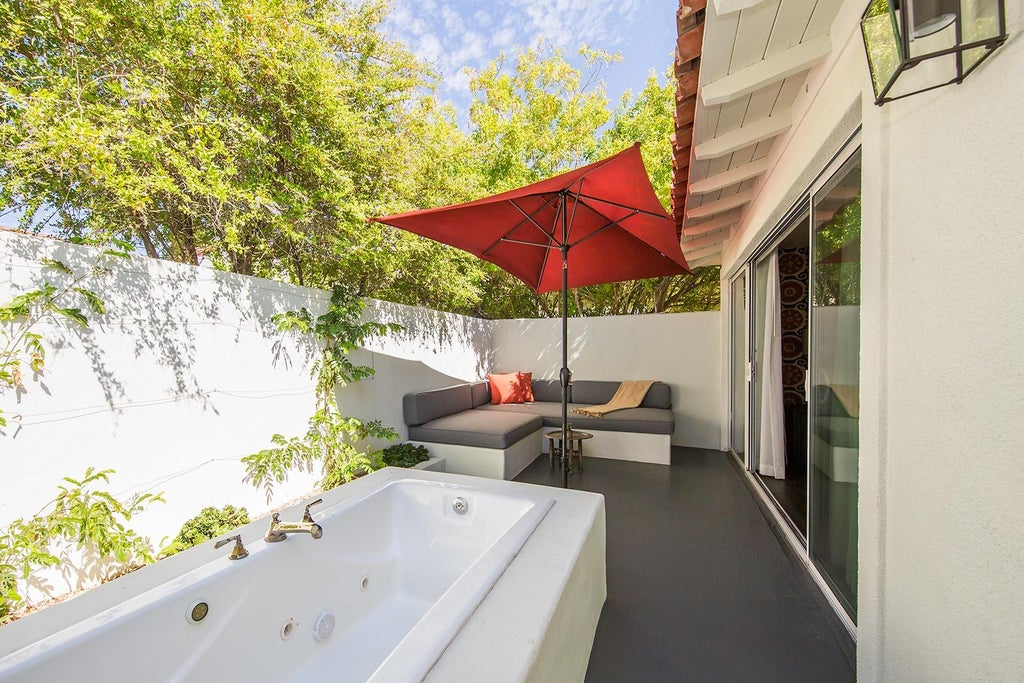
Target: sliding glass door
column 835, row 381
column 795, row 372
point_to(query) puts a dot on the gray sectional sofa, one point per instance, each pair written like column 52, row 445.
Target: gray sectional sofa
column 474, row 436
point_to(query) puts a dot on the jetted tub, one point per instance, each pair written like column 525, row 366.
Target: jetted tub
column 404, row 563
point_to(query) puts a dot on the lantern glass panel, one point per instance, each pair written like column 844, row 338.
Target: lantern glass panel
column 880, row 37
column 924, row 75
column 980, row 21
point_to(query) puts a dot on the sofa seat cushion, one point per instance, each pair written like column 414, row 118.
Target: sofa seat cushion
column 642, row 420
column 482, row 428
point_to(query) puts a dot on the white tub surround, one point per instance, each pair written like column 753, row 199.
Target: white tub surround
column 408, row 565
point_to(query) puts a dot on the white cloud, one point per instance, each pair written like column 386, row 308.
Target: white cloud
column 456, row 34
column 429, row 48
column 452, row 20
column 503, row 38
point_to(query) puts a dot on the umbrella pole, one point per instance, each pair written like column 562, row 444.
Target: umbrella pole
column 565, row 376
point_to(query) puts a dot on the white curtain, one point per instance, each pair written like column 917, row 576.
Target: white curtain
column 772, row 452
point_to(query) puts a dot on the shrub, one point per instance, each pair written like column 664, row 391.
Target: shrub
column 208, row 524
column 405, row 455
column 81, row 517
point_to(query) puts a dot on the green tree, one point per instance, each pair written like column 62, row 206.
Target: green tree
column 258, row 134
column 543, row 116
column 647, row 118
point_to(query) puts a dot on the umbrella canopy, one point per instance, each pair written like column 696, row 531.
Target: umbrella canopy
column 605, row 215
column 597, row 224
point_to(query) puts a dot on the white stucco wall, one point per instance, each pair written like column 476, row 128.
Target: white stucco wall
column 942, row 526
column 185, row 375
column 680, row 349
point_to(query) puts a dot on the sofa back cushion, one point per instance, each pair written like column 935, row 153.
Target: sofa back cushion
column 546, row 390
column 481, row 392
column 592, row 392
column 424, row 406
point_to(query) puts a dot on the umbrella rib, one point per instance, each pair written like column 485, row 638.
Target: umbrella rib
column 575, row 204
column 528, row 243
column 622, row 206
column 597, row 232
column 530, row 217
column 527, row 217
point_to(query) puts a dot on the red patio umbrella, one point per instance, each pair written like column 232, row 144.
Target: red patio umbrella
column 597, row 224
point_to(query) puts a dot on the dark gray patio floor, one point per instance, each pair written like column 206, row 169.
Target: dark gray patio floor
column 700, row 588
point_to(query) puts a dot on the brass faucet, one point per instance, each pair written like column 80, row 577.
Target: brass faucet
column 279, row 530
column 238, row 552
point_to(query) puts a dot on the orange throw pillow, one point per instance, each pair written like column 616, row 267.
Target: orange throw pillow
column 508, row 388
column 526, row 386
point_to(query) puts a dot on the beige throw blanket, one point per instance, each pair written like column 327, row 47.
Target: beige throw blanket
column 628, row 395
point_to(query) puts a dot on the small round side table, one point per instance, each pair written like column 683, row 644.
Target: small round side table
column 576, row 439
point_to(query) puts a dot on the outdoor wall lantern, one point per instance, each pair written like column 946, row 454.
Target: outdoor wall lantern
column 918, row 45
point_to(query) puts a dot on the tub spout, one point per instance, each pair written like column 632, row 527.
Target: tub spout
column 279, row 530
column 238, row 552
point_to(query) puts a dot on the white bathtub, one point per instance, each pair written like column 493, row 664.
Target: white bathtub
column 399, row 570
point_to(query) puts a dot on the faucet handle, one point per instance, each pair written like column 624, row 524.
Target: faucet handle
column 238, row 552
column 308, row 517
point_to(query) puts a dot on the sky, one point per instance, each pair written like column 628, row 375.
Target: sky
column 455, row 34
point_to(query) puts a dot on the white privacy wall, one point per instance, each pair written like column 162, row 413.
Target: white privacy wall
column 185, row 375
column 680, row 349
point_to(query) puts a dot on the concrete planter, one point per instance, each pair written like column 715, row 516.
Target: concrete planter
column 433, row 464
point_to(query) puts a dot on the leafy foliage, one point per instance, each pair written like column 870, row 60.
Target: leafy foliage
column 208, row 524
column 332, row 438
column 261, row 134
column 404, row 455
column 523, row 115
column 81, row 516
column 837, row 257
column 21, row 346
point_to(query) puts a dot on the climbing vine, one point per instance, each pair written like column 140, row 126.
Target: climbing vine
column 336, row 441
column 82, row 518
column 22, row 347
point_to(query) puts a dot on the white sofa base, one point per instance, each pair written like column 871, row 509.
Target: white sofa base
column 494, row 463
column 633, row 446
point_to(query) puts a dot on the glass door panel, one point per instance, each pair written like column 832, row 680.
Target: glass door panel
column 781, row 388
column 835, row 380
column 738, row 402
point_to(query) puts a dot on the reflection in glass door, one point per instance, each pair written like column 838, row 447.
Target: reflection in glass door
column 738, row 401
column 835, row 381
